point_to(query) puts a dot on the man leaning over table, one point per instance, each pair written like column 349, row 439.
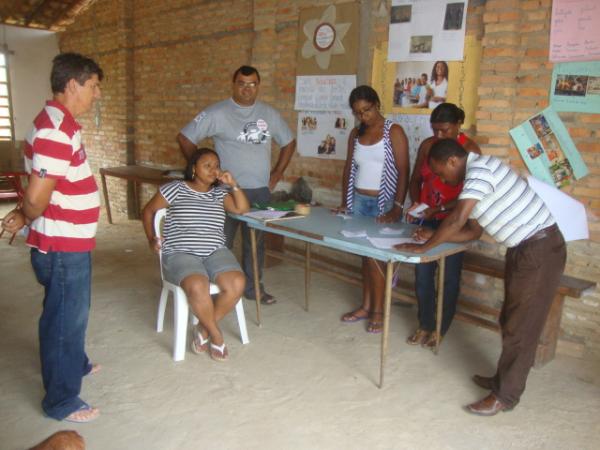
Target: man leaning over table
column 242, row 129
column 61, row 207
column 496, row 199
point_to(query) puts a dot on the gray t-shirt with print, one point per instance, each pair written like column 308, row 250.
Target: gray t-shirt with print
column 242, row 138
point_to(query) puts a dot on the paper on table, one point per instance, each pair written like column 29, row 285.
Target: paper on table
column 387, row 243
column 266, row 214
column 344, row 216
column 568, row 212
column 418, row 211
column 390, row 231
column 356, row 233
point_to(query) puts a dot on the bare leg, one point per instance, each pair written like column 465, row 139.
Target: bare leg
column 362, row 312
column 377, row 288
column 196, row 288
column 231, row 284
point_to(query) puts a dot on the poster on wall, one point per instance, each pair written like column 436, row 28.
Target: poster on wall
column 575, row 87
column 417, row 128
column 324, row 93
column 548, row 150
column 328, row 40
column 574, row 30
column 420, row 84
column 427, row 30
column 324, row 134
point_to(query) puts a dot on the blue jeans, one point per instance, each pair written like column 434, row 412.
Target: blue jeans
column 66, row 277
column 365, row 205
column 425, row 288
column 260, row 195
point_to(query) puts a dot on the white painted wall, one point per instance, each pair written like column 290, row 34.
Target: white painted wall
column 29, row 65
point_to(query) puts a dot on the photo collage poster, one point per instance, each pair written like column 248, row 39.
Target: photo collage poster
column 575, row 87
column 548, row 150
column 324, row 115
column 427, row 30
column 324, row 134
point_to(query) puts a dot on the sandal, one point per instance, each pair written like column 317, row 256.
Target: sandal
column 375, row 326
column 419, row 337
column 199, row 344
column 84, row 414
column 353, row 316
column 219, row 352
column 430, row 342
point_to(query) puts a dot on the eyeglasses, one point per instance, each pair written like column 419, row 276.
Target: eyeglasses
column 244, row 84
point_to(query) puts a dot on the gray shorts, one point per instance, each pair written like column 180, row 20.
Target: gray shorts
column 177, row 266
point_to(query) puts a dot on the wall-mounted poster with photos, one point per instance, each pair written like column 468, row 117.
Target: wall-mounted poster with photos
column 324, row 134
column 406, row 87
column 427, row 30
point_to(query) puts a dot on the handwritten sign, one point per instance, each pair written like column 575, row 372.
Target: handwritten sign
column 574, row 35
column 324, row 93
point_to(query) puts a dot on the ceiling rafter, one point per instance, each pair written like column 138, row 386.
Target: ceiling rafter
column 53, row 15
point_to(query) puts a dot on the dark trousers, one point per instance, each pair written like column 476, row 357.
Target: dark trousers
column 425, row 289
column 66, row 277
column 260, row 195
column 533, row 271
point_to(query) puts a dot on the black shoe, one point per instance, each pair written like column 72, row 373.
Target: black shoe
column 266, row 299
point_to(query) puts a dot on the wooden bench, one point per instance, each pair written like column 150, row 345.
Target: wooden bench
column 467, row 311
column 568, row 287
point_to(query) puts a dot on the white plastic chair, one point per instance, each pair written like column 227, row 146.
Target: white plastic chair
column 181, row 304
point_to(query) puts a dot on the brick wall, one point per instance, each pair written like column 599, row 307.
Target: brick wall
column 165, row 61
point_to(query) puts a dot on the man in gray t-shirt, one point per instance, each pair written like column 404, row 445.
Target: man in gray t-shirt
column 242, row 130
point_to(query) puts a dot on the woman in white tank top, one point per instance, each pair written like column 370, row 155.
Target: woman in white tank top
column 374, row 183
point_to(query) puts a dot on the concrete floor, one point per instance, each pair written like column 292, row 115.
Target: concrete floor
column 305, row 381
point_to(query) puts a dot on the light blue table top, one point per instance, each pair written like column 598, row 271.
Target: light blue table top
column 322, row 227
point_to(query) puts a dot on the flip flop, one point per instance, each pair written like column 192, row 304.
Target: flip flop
column 219, row 352
column 199, row 344
column 93, row 414
column 266, row 299
column 375, row 326
column 351, row 316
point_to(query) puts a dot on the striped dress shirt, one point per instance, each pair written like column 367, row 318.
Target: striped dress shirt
column 507, row 208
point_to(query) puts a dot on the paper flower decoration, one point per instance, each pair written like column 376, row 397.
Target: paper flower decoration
column 324, row 38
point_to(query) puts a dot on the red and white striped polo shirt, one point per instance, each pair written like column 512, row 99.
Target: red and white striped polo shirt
column 53, row 149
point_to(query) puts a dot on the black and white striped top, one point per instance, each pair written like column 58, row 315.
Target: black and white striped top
column 508, row 209
column 195, row 220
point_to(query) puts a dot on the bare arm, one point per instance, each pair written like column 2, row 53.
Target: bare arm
column 285, row 156
column 157, row 202
column 37, row 196
column 347, row 167
column 186, row 146
column 414, row 186
column 236, row 202
column 455, row 228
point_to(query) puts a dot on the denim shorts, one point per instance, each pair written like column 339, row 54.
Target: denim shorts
column 178, row 266
column 366, row 205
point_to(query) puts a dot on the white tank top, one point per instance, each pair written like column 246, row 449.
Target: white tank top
column 369, row 160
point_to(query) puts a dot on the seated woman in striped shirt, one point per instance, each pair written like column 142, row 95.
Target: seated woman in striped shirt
column 193, row 245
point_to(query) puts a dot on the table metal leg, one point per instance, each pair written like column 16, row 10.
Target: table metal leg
column 307, row 277
column 136, row 201
column 386, row 318
column 106, row 202
column 440, row 303
column 257, row 292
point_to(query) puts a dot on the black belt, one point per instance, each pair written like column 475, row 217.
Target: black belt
column 546, row 232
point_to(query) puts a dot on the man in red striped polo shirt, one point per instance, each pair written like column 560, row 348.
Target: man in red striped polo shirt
column 61, row 208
